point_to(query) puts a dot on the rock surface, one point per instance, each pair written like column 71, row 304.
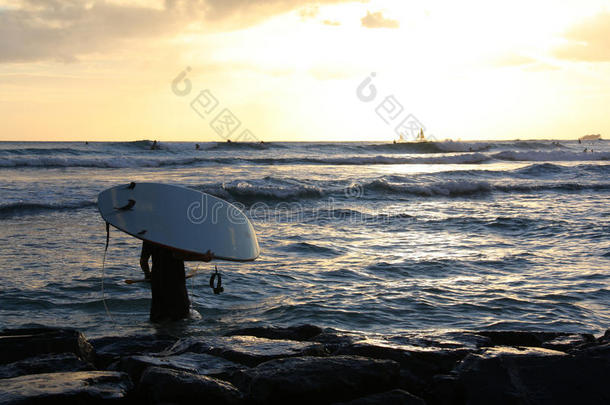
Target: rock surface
column 298, row 333
column 112, row 348
column 246, row 350
column 19, row 344
column 90, row 387
column 202, row 364
column 47, row 363
column 306, row 365
column 318, row 379
column 394, row 397
column 527, row 375
column 164, row 385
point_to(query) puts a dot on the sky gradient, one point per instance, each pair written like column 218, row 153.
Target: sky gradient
column 289, row 70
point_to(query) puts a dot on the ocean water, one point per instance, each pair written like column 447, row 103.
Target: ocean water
column 370, row 237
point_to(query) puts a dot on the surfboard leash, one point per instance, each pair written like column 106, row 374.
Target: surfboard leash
column 103, row 273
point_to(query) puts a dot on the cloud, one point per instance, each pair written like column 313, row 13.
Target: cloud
column 512, row 60
column 588, row 41
column 541, row 67
column 377, row 20
column 331, row 23
column 64, row 30
column 309, row 11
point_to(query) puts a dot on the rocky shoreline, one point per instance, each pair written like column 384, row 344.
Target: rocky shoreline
column 305, row 365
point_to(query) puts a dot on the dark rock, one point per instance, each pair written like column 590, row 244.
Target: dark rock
column 164, row 385
column 112, row 348
column 568, row 342
column 394, row 397
column 366, row 348
column 438, row 340
column 529, row 375
column 19, row 344
column 48, row 363
column 246, row 350
column 334, row 340
column 90, row 387
column 418, row 364
column 444, row 390
column 519, row 338
column 298, row 333
column 318, row 380
column 605, row 338
column 202, row 364
column 592, row 350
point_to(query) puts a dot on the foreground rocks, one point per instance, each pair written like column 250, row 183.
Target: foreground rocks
column 91, row 387
column 305, row 365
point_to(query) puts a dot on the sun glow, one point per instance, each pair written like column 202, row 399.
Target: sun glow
column 468, row 70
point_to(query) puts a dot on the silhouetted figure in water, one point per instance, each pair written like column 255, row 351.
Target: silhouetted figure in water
column 170, row 301
column 197, row 146
column 154, row 146
column 228, row 141
column 579, row 142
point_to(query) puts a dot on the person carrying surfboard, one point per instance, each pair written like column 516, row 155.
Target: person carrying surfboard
column 170, row 301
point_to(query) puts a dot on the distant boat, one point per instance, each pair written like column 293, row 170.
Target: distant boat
column 591, row 137
column 419, row 138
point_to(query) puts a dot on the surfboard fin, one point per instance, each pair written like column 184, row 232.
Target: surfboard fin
column 127, row 206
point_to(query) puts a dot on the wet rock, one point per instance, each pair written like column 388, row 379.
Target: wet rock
column 164, row 385
column 196, row 363
column 246, row 350
column 299, row 333
column 48, row 363
column 318, row 380
column 112, row 348
column 568, row 342
column 519, row 338
column 394, row 397
column 595, row 350
column 333, row 340
column 90, row 387
column 438, row 340
column 605, row 338
column 418, row 364
column 19, row 344
column 527, row 375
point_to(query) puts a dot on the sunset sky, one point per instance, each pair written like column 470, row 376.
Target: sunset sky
column 289, row 69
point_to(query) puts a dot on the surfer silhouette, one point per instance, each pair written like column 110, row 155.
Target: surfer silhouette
column 170, row 301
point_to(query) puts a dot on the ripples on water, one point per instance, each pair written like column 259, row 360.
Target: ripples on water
column 376, row 238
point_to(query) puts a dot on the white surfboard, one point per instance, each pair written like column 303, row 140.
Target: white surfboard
column 180, row 218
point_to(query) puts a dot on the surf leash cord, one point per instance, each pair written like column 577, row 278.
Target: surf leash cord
column 103, row 272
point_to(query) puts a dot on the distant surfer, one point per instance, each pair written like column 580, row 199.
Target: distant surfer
column 154, row 146
column 170, row 301
column 197, row 146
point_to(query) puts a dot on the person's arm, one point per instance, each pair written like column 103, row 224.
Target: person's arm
column 192, row 257
column 144, row 256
